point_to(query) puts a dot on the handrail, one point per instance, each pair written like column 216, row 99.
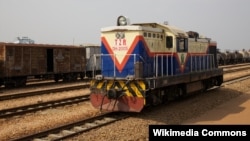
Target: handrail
column 164, row 63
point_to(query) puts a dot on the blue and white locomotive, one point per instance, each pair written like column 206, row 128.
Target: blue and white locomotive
column 151, row 63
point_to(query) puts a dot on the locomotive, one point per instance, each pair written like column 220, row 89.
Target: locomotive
column 18, row 62
column 146, row 64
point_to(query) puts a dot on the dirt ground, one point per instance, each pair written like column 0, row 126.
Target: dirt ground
column 235, row 111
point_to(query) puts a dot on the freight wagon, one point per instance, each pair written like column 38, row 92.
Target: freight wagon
column 20, row 61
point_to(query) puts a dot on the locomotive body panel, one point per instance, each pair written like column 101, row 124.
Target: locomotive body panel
column 123, row 48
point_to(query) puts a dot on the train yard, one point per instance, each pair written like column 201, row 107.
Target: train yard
column 22, row 125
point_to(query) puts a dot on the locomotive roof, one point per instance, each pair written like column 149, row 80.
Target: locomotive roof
column 149, row 27
column 129, row 27
column 175, row 30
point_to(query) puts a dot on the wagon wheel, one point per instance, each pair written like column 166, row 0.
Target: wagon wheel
column 56, row 78
column 21, row 81
column 9, row 85
column 74, row 77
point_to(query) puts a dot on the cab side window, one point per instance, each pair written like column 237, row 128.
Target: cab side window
column 169, row 41
column 181, row 44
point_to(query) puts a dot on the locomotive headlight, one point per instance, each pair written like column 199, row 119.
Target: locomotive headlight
column 122, row 21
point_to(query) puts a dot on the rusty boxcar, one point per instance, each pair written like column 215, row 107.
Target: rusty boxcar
column 19, row 61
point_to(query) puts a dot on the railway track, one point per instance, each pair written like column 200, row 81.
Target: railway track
column 40, row 92
column 72, row 129
column 225, row 71
column 234, row 65
column 17, row 111
column 40, row 83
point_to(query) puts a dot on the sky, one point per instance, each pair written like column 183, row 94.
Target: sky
column 74, row 22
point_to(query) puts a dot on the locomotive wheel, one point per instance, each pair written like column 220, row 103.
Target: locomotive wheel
column 153, row 98
column 164, row 97
column 180, row 92
column 219, row 81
